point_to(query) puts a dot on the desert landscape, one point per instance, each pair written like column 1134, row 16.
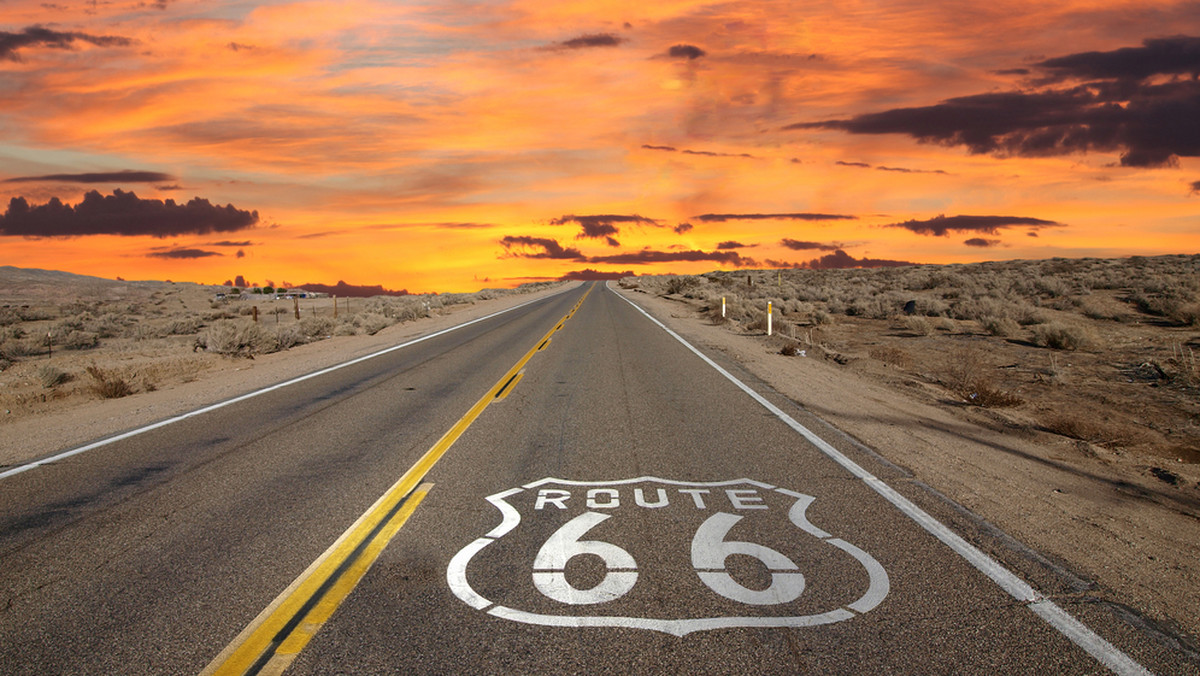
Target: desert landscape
column 1054, row 399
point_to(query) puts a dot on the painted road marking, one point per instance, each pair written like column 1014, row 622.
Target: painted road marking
column 1106, row 653
column 624, row 522
column 271, row 642
column 200, row 411
column 274, row 638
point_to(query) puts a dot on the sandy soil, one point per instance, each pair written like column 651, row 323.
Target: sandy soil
column 1101, row 512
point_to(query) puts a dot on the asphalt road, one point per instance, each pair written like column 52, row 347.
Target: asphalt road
column 565, row 491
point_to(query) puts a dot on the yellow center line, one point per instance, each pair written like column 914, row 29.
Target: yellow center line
column 274, row 638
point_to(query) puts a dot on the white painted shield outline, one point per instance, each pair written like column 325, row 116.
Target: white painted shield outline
column 456, row 572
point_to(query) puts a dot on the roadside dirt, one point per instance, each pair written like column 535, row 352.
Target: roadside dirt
column 1105, row 513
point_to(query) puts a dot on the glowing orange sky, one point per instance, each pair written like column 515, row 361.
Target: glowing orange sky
column 402, row 143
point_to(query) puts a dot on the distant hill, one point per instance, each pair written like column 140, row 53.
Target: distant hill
column 32, row 285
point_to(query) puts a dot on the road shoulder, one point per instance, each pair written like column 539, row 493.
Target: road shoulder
column 1136, row 541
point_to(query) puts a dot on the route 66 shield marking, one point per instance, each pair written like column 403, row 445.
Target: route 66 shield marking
column 670, row 556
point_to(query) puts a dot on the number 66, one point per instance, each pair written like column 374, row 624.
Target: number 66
column 710, row 549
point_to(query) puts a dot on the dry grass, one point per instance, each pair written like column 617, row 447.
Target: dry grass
column 1120, row 334
column 108, row 385
column 54, row 322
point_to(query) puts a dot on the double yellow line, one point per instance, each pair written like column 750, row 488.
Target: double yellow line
column 270, row 642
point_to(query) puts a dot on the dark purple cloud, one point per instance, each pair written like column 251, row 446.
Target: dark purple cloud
column 689, row 52
column 733, row 245
column 588, row 275
column 941, row 226
column 682, row 228
column 226, row 242
column 522, row 246
column 184, row 254
column 721, row 218
column 345, row 290
column 122, row 213
column 589, row 40
column 808, row 246
column 1195, row 187
column 601, row 226
column 839, row 260
column 1179, row 55
column 981, row 242
column 860, row 165
column 36, row 36
column 1126, row 107
column 126, row 176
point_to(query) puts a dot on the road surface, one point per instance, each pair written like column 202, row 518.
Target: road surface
column 565, row 487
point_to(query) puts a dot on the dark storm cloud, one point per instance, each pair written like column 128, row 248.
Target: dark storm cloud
column 522, row 246
column 840, row 260
column 1123, row 108
column 589, row 275
column 1179, row 55
column 648, row 256
column 981, row 242
column 808, row 246
column 36, row 36
column 601, row 226
column 126, row 176
column 682, row 228
column 734, row 245
column 944, row 225
column 721, row 218
column 588, row 41
column 184, row 254
column 122, row 213
column 689, row 52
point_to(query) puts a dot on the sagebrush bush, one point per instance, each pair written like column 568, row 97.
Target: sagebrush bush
column 52, row 376
column 108, row 385
column 289, row 336
column 371, row 323
column 238, row 337
column 316, row 327
column 79, row 340
column 918, row 325
column 1002, row 327
column 1059, row 336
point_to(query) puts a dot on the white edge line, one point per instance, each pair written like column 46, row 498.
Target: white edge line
column 1106, row 653
column 249, row 395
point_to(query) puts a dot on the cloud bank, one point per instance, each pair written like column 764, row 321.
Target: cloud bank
column 37, row 36
column 1140, row 101
column 941, row 226
column 122, row 213
column 126, row 176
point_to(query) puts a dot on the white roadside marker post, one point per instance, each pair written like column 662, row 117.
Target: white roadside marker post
column 722, row 307
column 768, row 318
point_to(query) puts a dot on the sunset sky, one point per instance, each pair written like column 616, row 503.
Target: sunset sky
column 449, row 146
